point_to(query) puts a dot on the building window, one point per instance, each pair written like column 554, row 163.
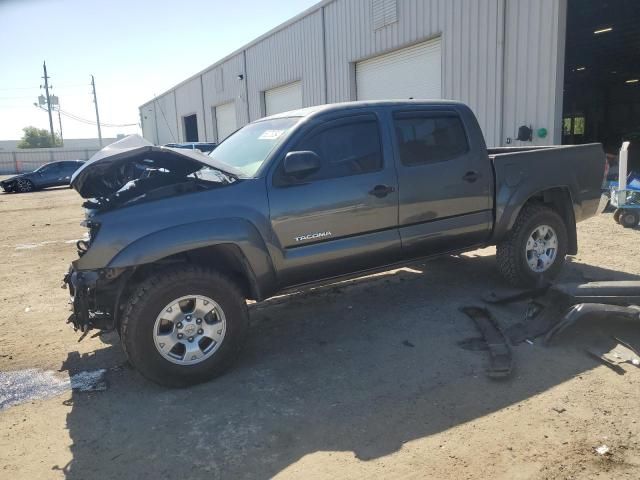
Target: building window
column 573, row 126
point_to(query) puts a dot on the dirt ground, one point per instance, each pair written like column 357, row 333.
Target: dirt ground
column 359, row 380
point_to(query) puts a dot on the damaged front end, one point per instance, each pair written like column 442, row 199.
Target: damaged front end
column 126, row 173
column 95, row 295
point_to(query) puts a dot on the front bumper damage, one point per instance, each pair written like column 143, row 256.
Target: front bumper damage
column 95, row 297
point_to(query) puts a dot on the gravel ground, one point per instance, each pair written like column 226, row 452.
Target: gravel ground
column 358, row 380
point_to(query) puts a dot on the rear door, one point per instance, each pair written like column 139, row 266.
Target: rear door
column 64, row 178
column 343, row 218
column 445, row 181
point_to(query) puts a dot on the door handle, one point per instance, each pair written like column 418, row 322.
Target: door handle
column 471, row 176
column 381, row 191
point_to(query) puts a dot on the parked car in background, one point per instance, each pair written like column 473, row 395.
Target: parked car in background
column 204, row 147
column 54, row 174
column 307, row 197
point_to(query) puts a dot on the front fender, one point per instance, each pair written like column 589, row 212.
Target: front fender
column 183, row 238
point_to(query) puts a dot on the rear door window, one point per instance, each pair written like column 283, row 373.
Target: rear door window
column 424, row 138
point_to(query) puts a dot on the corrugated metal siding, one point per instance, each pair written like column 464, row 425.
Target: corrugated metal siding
column 166, row 116
column 148, row 120
column 189, row 102
column 470, row 49
column 292, row 54
column 522, row 85
column 534, row 67
column 231, row 89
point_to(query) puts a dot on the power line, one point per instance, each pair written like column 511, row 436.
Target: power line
column 64, row 85
column 92, row 122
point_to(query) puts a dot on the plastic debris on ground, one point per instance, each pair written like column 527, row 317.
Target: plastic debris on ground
column 23, row 386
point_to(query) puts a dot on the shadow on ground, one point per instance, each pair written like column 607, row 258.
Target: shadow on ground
column 362, row 368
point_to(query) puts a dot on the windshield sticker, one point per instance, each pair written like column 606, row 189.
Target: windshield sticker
column 270, row 134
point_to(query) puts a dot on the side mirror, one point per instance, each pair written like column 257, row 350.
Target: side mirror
column 302, row 163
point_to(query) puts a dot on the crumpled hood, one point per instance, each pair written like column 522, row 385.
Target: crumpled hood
column 115, row 165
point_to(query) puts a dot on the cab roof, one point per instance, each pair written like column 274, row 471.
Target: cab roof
column 331, row 107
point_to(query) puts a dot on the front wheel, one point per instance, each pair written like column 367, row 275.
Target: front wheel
column 629, row 218
column 184, row 326
column 616, row 215
column 25, row 185
column 535, row 248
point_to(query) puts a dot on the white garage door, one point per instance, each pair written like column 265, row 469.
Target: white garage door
column 225, row 120
column 412, row 72
column 284, row 98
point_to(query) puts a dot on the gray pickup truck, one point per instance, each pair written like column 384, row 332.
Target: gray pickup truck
column 179, row 240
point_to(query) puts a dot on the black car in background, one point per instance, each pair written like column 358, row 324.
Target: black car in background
column 54, row 174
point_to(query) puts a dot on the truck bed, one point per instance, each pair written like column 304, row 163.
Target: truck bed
column 521, row 172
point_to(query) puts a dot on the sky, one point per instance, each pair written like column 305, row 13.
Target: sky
column 134, row 49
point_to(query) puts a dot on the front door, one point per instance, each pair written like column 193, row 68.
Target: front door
column 49, row 175
column 445, row 183
column 343, row 217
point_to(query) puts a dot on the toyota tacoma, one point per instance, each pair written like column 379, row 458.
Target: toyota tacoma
column 178, row 241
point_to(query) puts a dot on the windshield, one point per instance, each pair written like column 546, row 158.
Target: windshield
column 249, row 147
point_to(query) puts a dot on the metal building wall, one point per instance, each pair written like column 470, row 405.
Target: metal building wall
column 502, row 57
column 534, row 68
column 148, row 121
column 291, row 54
column 165, row 110
column 221, row 85
column 471, row 57
column 189, row 102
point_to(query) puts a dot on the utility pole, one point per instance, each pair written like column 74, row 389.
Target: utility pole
column 95, row 101
column 46, row 89
column 60, row 123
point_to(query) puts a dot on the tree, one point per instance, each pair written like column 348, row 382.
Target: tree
column 38, row 138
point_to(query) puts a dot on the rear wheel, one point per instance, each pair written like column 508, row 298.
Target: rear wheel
column 535, row 248
column 629, row 218
column 25, row 185
column 184, row 326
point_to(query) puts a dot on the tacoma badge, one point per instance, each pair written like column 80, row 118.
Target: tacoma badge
column 313, row 236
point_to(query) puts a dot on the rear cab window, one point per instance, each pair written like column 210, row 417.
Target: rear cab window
column 429, row 137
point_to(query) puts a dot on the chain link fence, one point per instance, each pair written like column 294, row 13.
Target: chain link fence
column 27, row 160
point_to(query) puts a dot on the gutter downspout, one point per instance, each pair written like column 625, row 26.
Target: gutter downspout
column 246, row 84
column 501, row 56
column 204, row 113
column 324, row 57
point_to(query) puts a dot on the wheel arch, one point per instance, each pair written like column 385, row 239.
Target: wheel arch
column 557, row 198
column 232, row 246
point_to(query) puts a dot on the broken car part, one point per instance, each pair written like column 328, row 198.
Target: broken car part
column 500, row 363
column 582, row 310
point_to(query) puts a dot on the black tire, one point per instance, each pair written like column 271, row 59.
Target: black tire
column 629, row 218
column 159, row 290
column 511, row 252
column 25, row 186
column 616, row 215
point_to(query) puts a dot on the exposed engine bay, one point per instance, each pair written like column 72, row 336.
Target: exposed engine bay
column 133, row 170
